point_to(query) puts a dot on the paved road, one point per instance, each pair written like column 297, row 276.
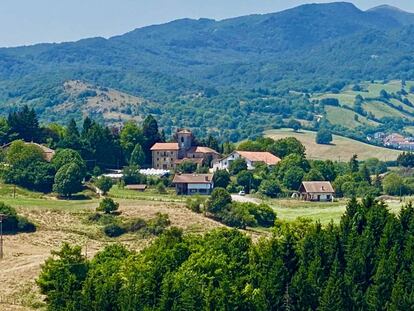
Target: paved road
column 244, row 199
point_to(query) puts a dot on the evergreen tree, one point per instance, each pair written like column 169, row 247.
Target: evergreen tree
column 151, row 136
column 137, row 156
column 334, row 296
column 354, row 164
column 71, row 138
column 24, row 124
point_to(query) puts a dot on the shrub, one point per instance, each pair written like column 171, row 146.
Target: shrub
column 219, row 200
column 270, row 188
column 324, row 136
column 136, row 225
column 104, row 184
column 187, row 167
column 394, row 184
column 157, row 225
column 247, row 180
column 14, row 223
column 263, row 214
column 113, row 230
column 237, row 216
column 195, row 204
column 237, row 166
column 221, row 179
column 330, row 102
column 107, row 205
column 161, row 188
column 131, row 175
column 24, row 225
column 233, row 187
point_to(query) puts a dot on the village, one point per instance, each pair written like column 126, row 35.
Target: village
column 393, row 140
column 167, row 158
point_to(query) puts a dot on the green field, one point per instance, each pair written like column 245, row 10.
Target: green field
column 341, row 149
column 371, row 104
column 346, row 117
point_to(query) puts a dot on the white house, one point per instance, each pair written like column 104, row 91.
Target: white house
column 316, row 191
column 251, row 158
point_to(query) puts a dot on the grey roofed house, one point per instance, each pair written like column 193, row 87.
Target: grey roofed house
column 188, row 184
column 316, row 191
column 139, row 187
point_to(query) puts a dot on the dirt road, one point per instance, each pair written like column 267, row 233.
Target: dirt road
column 244, row 199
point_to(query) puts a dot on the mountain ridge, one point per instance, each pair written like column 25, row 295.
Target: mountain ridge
column 187, row 64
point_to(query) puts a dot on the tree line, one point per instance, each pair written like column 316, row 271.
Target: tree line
column 364, row 263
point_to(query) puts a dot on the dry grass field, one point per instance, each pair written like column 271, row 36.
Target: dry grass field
column 341, row 149
column 66, row 221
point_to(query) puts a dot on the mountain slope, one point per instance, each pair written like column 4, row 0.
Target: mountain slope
column 404, row 18
column 193, row 71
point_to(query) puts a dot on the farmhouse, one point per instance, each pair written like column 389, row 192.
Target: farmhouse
column 189, row 184
column 316, row 191
column 47, row 152
column 251, row 158
column 167, row 156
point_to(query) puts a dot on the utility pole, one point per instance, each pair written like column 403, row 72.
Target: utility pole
column 2, row 217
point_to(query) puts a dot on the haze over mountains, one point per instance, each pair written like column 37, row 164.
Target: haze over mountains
column 307, row 48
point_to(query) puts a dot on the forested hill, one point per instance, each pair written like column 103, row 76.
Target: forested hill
column 307, row 48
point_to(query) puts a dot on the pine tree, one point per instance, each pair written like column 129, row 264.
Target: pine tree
column 137, row 156
column 354, row 164
column 151, row 136
column 334, row 295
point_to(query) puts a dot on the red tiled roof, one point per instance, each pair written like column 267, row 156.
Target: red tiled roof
column 193, row 179
column 200, row 149
column 165, row 146
column 47, row 152
column 194, row 160
column 265, row 157
column 317, row 187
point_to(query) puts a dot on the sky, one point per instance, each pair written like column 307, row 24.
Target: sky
column 24, row 22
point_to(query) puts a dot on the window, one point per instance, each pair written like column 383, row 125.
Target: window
column 182, row 139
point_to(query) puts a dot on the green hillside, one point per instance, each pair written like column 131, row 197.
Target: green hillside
column 341, row 149
column 379, row 103
column 233, row 77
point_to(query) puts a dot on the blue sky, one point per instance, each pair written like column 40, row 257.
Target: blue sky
column 33, row 21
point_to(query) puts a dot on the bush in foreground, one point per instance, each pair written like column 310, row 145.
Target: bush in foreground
column 108, row 206
column 13, row 223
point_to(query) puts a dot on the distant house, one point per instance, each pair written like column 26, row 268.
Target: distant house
column 47, row 152
column 164, row 155
column 316, row 191
column 251, row 158
column 139, row 188
column 190, row 184
column 394, row 140
column 167, row 156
